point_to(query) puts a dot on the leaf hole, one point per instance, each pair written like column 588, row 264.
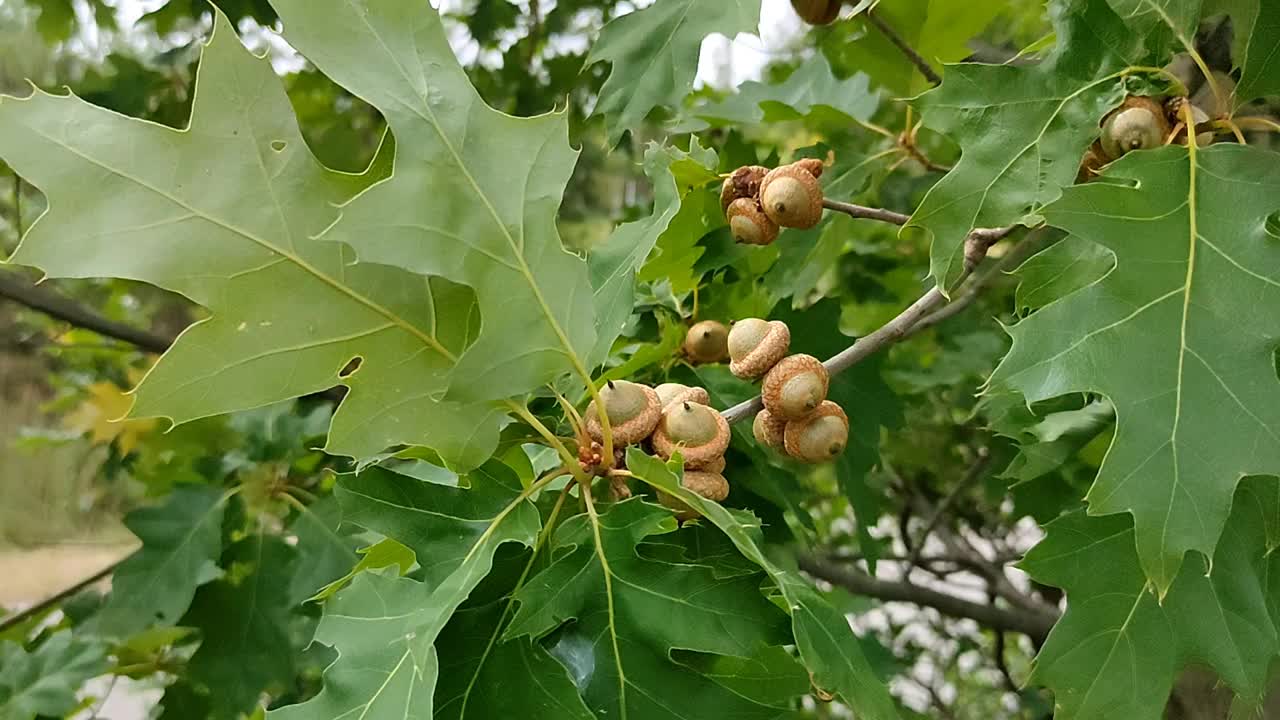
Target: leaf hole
column 1273, row 225
column 351, row 367
column 278, row 145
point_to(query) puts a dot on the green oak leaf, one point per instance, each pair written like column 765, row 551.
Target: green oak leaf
column 828, row 648
column 1257, row 30
column 678, row 249
column 1173, row 337
column 473, row 195
column 614, row 263
column 630, row 612
column 654, row 52
column 1059, row 270
column 44, row 681
column 1163, row 24
column 384, row 627
column 1117, row 651
column 224, row 212
column 811, row 92
column 1022, row 130
column 382, row 554
column 244, row 628
column 181, row 545
column 326, row 551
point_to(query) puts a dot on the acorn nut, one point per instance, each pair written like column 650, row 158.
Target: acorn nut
column 769, row 430
column 756, row 345
column 1138, row 124
column 817, row 12
column 749, row 224
column 707, row 342
column 633, row 410
column 743, row 183
column 791, row 197
column 699, row 433
column 669, row 393
column 820, row 437
column 794, row 387
column 710, row 485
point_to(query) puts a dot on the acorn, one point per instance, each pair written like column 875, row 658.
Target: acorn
column 633, row 410
column 1138, row 124
column 791, row 197
column 707, row 342
column 817, row 12
column 749, row 224
column 715, row 466
column 769, row 430
column 820, row 437
column 756, row 345
column 1091, row 164
column 813, row 165
column 669, row 393
column 742, row 183
column 710, row 485
column 698, row 432
column 794, row 387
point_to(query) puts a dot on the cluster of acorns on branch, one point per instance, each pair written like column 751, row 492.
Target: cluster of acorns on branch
column 757, row 201
column 1141, row 123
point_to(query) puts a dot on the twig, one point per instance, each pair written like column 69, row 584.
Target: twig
column 1032, row 623
column 862, row 211
column 17, row 205
column 921, row 64
column 23, row 615
column 978, row 283
column 55, row 304
column 971, row 476
column 1002, row 664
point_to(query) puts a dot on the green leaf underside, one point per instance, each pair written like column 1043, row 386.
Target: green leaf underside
column 44, row 681
column 181, row 545
column 326, row 552
column 473, row 195
column 224, row 212
column 812, row 88
column 1117, row 651
column 384, row 627
column 654, row 53
column 1260, row 62
column 1022, row 130
column 828, row 648
column 1173, row 336
column 629, row 613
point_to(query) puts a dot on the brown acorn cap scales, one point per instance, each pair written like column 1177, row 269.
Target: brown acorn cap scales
column 633, row 411
column 709, row 485
column 819, row 437
column 743, row 183
column 669, row 393
column 699, row 433
column 756, row 345
column 769, row 431
column 1138, row 124
column 749, row 224
column 791, row 196
column 794, row 387
column 707, row 342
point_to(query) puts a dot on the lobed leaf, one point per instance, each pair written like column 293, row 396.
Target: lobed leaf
column 44, row 681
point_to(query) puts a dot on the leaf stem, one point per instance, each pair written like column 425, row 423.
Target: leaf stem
column 17, row 204
column 916, row 59
column 571, row 462
column 585, row 490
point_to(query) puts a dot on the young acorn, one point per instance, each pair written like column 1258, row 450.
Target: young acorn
column 791, row 196
column 819, row 437
column 743, row 183
column 707, row 342
column 769, row 431
column 749, row 224
column 817, row 12
column 795, row 387
column 669, row 393
column 699, row 433
column 1138, row 124
column 633, row 411
column 710, row 485
column 756, row 345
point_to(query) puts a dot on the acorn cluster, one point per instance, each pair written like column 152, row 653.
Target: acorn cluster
column 758, row 201
column 670, row 418
column 1141, row 123
column 797, row 420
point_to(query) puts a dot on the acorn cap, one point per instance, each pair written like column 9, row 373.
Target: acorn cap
column 756, row 345
column 633, row 411
column 820, row 437
column 716, row 465
column 743, row 183
column 769, row 430
column 794, row 387
column 709, row 485
column 1138, row 124
column 675, row 392
column 697, row 431
column 814, row 166
column 707, row 342
column 749, row 224
column 817, row 12
column 791, row 196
